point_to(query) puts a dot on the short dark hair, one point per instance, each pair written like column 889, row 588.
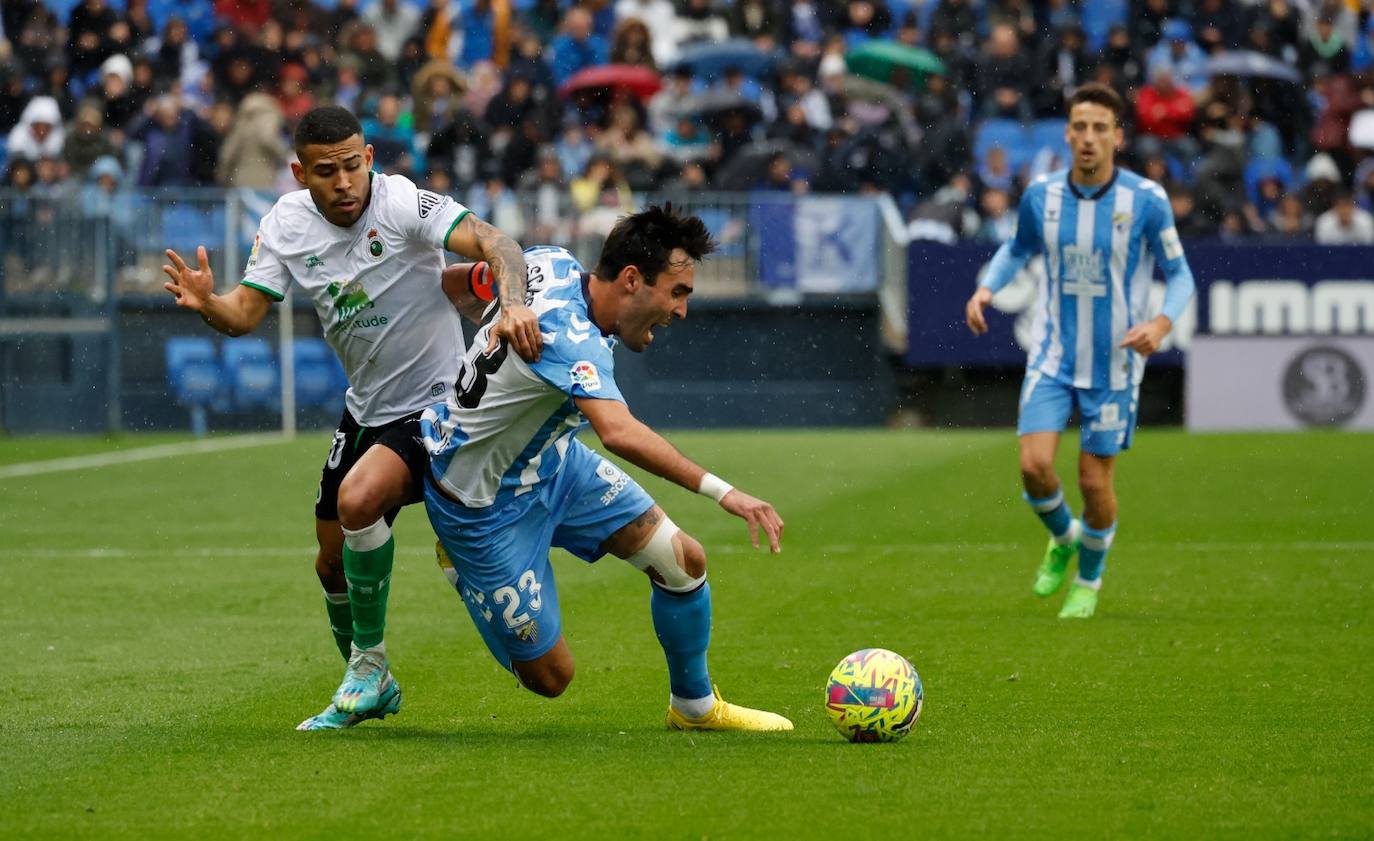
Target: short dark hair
column 326, row 124
column 646, row 240
column 1100, row 94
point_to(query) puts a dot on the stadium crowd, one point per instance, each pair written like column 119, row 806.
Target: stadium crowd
column 474, row 98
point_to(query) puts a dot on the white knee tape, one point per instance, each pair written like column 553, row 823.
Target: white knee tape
column 659, row 555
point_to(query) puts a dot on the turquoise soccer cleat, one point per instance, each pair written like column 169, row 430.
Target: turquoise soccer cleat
column 333, row 719
column 1050, row 576
column 366, row 678
column 1080, row 603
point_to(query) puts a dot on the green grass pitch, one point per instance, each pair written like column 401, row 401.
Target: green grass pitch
column 164, row 633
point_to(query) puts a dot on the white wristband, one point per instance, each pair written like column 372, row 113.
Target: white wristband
column 714, row 487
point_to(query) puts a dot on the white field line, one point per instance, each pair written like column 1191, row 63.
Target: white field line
column 214, row 445
column 212, row 553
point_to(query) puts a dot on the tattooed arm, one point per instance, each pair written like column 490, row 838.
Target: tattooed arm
column 518, row 324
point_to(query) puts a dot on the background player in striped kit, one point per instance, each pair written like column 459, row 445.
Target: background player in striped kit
column 1100, row 230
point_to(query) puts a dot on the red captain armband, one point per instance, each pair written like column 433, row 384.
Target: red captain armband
column 480, row 282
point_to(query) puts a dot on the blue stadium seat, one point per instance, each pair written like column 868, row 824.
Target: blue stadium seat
column 1099, row 16
column 318, row 375
column 1049, row 134
column 196, row 377
column 253, row 373
column 1008, row 134
column 185, row 226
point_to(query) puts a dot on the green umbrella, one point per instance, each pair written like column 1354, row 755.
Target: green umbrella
column 894, row 62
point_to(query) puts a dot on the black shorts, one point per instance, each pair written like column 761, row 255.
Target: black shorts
column 401, row 436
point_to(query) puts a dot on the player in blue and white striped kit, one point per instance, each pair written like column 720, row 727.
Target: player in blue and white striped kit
column 1100, row 230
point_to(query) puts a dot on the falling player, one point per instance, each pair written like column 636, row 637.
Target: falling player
column 367, row 248
column 1101, row 229
column 509, row 479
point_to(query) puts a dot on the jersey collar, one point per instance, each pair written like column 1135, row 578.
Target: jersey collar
column 587, row 299
column 1078, row 194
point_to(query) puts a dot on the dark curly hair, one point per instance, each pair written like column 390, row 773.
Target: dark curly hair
column 325, row 125
column 646, row 239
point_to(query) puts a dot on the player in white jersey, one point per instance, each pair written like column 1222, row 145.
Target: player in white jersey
column 368, row 250
column 509, row 479
column 1101, row 230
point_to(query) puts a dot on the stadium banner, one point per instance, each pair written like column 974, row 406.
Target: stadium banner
column 1242, row 290
column 818, row 244
column 1288, row 382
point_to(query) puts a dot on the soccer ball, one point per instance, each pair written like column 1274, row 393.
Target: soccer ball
column 874, row 695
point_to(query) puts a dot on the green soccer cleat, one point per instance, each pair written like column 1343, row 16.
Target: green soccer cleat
column 365, row 680
column 1080, row 603
column 333, row 719
column 1050, row 576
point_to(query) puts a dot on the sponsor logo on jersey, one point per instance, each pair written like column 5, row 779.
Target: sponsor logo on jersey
column 349, row 300
column 584, row 374
column 437, row 390
column 1083, row 265
column 1109, row 420
column 613, row 476
column 313, row 261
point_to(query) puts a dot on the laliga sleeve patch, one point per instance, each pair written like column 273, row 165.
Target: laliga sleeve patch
column 584, row 374
column 1173, row 249
column 429, row 202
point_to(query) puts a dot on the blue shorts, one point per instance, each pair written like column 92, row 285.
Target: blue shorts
column 1106, row 418
column 501, row 554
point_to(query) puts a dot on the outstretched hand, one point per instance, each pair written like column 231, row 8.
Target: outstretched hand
column 758, row 514
column 191, row 287
column 519, row 326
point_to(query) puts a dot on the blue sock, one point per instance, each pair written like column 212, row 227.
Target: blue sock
column 683, row 624
column 1054, row 512
column 1092, row 553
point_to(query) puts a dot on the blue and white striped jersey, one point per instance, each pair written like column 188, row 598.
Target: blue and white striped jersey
column 507, row 424
column 1100, row 245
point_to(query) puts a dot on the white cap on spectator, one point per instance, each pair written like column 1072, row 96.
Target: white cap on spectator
column 1322, row 168
column 120, row 66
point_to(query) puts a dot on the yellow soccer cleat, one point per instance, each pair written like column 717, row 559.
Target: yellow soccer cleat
column 727, row 716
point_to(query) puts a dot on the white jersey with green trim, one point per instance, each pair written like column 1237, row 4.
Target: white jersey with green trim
column 376, row 286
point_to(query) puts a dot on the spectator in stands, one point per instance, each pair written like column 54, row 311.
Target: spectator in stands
column 577, row 47
column 1062, row 65
column 601, row 196
column 699, row 21
column 13, row 97
column 1147, row 23
column 294, row 95
column 255, row 151
column 762, row 21
column 105, row 200
column 1121, row 55
column 1177, row 53
column 39, row 132
column 1003, row 77
column 1278, row 27
column 1324, row 50
column 799, row 87
column 175, row 52
column 246, row 16
column 661, row 19
column 169, row 135
column 494, row 202
column 38, row 39
column 1288, row 220
column 956, row 18
column 436, row 92
column 479, row 33
column 88, row 36
column 1190, row 223
column 1345, row 224
column 1217, row 25
column 864, row 20
column 460, row 147
column 58, row 85
column 999, row 223
column 527, row 59
column 394, row 22
column 548, row 202
column 575, row 149
column 995, row 172
column 360, row 48
column 86, row 140
column 687, row 140
column 794, row 127
column 118, row 100
column 631, row 44
column 629, row 146
column 1164, row 118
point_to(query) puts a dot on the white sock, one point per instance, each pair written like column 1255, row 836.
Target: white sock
column 1092, row 585
column 692, row 707
column 1074, row 531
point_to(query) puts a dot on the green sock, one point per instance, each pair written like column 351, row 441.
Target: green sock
column 340, row 621
column 367, row 558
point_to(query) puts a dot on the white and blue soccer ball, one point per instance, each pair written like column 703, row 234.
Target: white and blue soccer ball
column 874, row 695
